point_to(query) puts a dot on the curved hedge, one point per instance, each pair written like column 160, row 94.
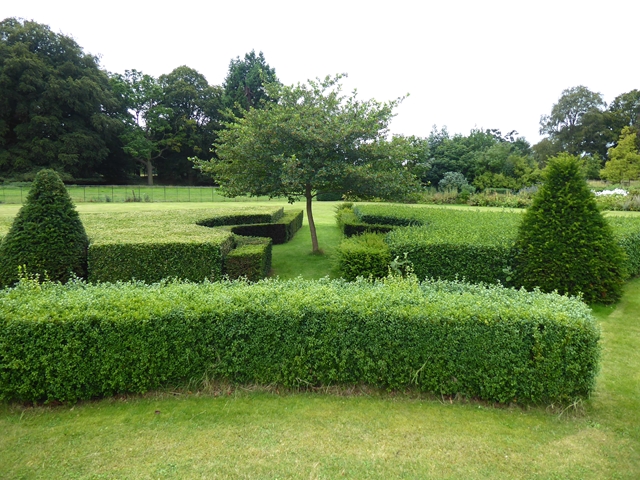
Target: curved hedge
column 79, row 341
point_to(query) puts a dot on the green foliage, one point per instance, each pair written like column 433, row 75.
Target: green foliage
column 564, row 243
column 624, row 159
column 365, row 255
column 47, row 236
column 251, row 259
column 244, row 86
column 56, row 107
column 151, row 262
column 312, row 139
column 78, row 341
column 279, row 232
column 242, row 218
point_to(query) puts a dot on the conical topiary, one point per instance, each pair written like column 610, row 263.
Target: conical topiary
column 46, row 235
column 564, row 243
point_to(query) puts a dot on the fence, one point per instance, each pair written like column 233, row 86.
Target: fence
column 127, row 193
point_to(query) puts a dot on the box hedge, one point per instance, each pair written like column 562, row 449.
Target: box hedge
column 363, row 255
column 473, row 244
column 242, row 218
column 80, row 341
column 280, row 232
column 250, row 259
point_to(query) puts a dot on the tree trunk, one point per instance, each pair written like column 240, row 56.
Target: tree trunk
column 312, row 225
column 149, row 166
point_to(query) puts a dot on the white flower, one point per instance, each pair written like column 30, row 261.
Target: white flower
column 617, row 191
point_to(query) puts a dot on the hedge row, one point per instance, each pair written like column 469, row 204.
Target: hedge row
column 471, row 244
column 170, row 244
column 242, row 219
column 280, row 232
column 80, row 341
column 151, row 262
column 250, row 259
column 351, row 225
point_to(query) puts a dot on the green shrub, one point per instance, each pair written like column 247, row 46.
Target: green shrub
column 280, row 232
column 383, row 215
column 363, row 256
column 46, row 236
column 151, row 262
column 564, row 243
column 627, row 233
column 250, row 259
column 79, row 341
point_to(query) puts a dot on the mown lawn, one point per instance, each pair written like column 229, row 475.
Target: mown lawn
column 248, row 432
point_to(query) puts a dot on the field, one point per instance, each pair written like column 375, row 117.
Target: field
column 251, row 432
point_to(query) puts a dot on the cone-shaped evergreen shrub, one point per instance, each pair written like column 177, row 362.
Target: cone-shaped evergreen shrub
column 564, row 243
column 46, row 235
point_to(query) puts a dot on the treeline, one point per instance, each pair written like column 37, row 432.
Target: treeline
column 60, row 110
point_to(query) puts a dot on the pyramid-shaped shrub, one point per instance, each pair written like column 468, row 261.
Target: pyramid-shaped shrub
column 46, row 235
column 564, row 243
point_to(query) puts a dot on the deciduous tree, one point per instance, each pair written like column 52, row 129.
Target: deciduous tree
column 624, row 159
column 313, row 138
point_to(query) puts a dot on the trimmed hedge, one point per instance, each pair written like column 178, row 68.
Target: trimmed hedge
column 380, row 215
column 351, row 225
column 241, row 219
column 79, row 341
column 363, row 255
column 473, row 244
column 250, row 259
column 280, row 232
column 151, row 262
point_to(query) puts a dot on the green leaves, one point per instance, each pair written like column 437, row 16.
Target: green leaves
column 564, row 243
column 83, row 341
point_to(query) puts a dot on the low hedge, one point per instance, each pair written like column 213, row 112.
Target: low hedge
column 80, row 341
column 383, row 215
column 280, row 232
column 472, row 244
column 363, row 255
column 242, row 218
column 351, row 225
column 151, row 262
column 250, row 259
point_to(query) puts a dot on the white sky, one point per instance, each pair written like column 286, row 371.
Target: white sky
column 485, row 64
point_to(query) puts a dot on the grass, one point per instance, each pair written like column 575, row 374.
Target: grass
column 253, row 433
column 222, row 432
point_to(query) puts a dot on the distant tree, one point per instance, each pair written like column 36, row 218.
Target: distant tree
column 312, row 139
column 195, row 117
column 624, row 159
column 564, row 243
column 627, row 107
column 47, row 236
column 56, row 107
column 453, row 181
column 244, row 86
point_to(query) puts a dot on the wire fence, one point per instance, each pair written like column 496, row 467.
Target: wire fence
column 127, row 193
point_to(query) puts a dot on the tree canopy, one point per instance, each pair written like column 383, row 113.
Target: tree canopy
column 624, row 159
column 56, row 107
column 244, row 86
column 312, row 138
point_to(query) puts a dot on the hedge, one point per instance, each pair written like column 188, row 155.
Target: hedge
column 250, row 259
column 80, row 341
column 280, row 232
column 242, row 218
column 472, row 244
column 351, row 225
column 363, row 255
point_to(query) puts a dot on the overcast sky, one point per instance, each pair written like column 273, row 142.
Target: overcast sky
column 465, row 64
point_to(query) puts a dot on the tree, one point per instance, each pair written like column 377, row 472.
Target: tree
column 312, row 139
column 47, row 236
column 624, row 159
column 627, row 107
column 56, row 107
column 564, row 243
column 244, row 86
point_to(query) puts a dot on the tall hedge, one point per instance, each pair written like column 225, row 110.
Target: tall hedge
column 564, row 243
column 46, row 236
